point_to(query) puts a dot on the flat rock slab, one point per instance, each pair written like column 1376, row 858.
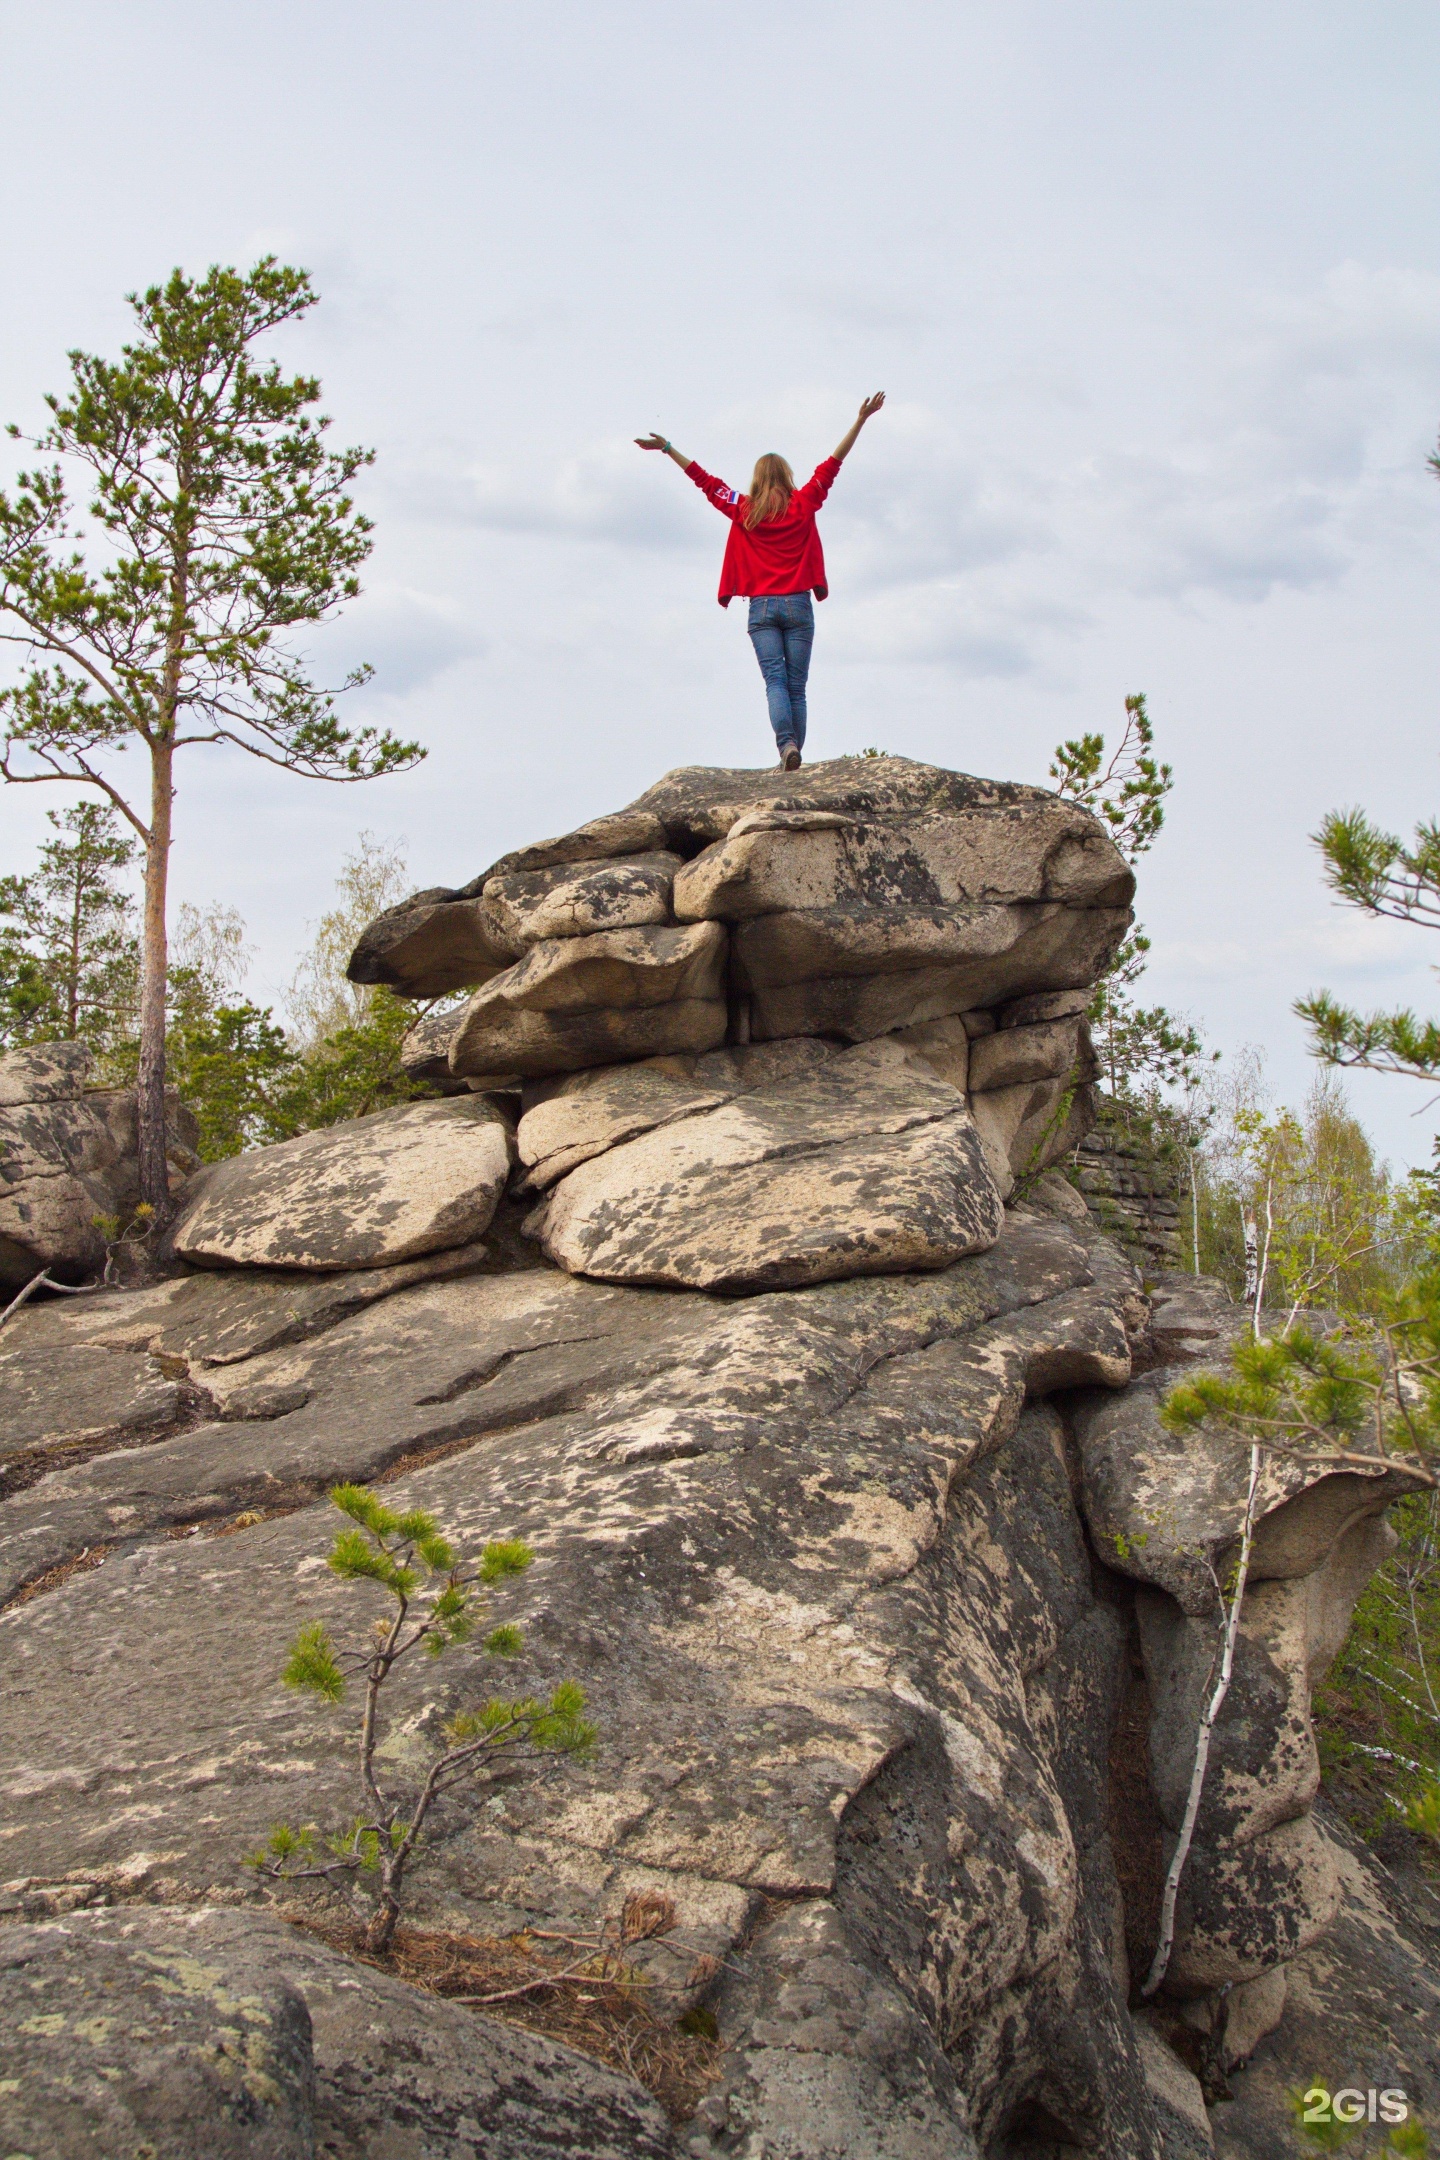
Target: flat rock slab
column 567, row 1121
column 869, row 1165
column 365, row 1194
column 222, row 2035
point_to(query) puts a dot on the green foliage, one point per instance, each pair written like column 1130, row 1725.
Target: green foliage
column 311, row 1663
column 233, row 1066
column 1377, row 1712
column 1140, row 1048
column 351, row 1072
column 214, row 525
column 321, row 999
column 223, row 522
column 1332, row 1228
column 1296, row 1390
column 1127, row 792
column 435, row 1604
column 69, row 959
column 1372, row 1395
column 1423, row 1812
column 1376, row 872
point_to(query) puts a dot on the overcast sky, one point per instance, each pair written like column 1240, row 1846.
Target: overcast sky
column 1154, row 289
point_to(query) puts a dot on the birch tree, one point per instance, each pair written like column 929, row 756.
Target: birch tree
column 159, row 612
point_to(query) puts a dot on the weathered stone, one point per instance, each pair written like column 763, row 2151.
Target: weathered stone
column 625, row 832
column 1019, row 1056
column 773, row 864
column 220, row 1317
column 1361, row 2007
column 45, row 1072
column 596, row 1000
column 146, row 2037
column 379, row 1189
column 91, row 1399
column 1024, row 1129
column 945, row 1047
column 577, row 899
column 890, row 867
column 1164, row 1507
column 432, row 944
column 584, row 1114
column 1177, row 2095
column 425, row 1051
column 1044, row 1005
column 797, row 1555
column 198, row 2035
column 67, row 1156
column 569, row 1120
column 868, row 1166
column 859, row 971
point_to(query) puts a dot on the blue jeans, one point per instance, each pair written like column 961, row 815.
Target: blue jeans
column 782, row 630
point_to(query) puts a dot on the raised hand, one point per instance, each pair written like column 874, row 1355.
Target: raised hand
column 871, row 406
column 651, row 442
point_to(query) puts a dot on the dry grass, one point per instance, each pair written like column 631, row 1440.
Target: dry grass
column 52, row 1578
column 608, row 2010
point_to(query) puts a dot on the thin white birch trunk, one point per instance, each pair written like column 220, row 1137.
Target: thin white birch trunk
column 1181, row 1854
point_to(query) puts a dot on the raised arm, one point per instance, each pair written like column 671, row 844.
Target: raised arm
column 658, row 442
column 847, row 443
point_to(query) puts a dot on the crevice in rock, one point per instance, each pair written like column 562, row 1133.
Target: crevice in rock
column 481, row 1375
column 27, row 1468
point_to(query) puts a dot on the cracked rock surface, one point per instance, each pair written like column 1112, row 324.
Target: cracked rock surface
column 826, row 1563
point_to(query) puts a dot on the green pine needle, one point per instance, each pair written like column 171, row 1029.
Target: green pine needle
column 311, row 1664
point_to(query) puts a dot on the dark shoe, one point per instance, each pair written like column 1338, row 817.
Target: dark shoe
column 791, row 759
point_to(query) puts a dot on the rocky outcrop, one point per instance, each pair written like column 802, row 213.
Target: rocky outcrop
column 207, row 2034
column 855, row 1634
column 851, row 899
column 860, row 900
column 1133, row 1176
column 855, row 1518
column 68, row 1156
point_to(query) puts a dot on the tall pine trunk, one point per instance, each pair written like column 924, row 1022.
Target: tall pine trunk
column 154, row 970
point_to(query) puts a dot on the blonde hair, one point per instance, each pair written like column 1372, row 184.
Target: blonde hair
column 771, row 488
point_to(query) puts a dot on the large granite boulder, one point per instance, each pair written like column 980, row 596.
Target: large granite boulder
column 68, row 1157
column 866, row 1165
column 364, row 1194
column 853, row 898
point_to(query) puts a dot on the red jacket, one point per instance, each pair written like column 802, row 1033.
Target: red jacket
column 781, row 556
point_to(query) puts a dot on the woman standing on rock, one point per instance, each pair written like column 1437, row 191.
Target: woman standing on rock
column 774, row 560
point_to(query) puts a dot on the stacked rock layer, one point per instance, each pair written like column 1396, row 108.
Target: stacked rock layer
column 702, row 960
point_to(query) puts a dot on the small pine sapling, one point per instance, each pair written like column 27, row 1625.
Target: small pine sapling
column 437, row 1601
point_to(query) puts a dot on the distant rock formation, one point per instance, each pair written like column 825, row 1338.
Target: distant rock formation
column 68, row 1155
column 857, row 1520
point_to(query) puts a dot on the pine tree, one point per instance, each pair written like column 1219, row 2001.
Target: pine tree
column 68, row 935
column 220, row 525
